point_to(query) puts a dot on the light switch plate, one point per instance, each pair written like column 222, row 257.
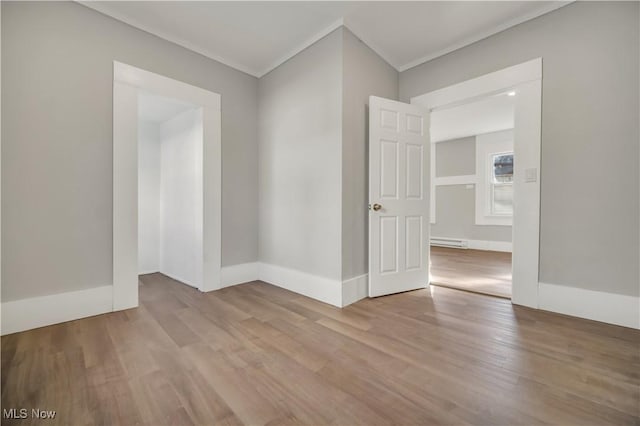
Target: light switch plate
column 531, row 175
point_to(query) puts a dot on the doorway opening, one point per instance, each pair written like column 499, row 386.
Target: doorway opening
column 170, row 181
column 400, row 193
column 523, row 82
column 187, row 244
column 472, row 195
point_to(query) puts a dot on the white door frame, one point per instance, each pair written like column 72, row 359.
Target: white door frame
column 127, row 81
column 526, row 80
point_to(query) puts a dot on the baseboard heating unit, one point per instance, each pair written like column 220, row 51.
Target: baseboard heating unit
column 449, row 242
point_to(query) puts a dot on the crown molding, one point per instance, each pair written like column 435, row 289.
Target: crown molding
column 342, row 22
column 366, row 40
column 495, row 30
column 302, row 46
column 100, row 8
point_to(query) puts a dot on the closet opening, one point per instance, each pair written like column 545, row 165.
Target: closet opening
column 170, row 182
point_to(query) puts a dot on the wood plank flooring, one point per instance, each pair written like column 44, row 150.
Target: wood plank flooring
column 256, row 354
column 479, row 271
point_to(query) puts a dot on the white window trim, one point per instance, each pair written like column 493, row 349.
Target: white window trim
column 487, row 145
column 492, row 184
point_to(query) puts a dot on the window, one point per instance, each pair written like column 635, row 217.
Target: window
column 501, row 184
column 494, row 174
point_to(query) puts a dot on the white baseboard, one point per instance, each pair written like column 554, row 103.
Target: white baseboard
column 504, row 246
column 320, row 288
column 611, row 308
column 177, row 278
column 148, row 272
column 355, row 289
column 326, row 290
column 25, row 314
column 239, row 274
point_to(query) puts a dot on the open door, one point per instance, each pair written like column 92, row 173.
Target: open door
column 399, row 150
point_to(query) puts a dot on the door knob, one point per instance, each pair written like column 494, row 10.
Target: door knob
column 376, row 207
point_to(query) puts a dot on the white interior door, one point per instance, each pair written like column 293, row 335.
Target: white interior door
column 399, row 151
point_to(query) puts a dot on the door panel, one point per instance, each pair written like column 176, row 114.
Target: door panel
column 388, row 169
column 415, row 172
column 399, row 197
column 389, row 244
column 414, row 248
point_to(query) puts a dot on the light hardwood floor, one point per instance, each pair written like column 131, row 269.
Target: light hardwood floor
column 479, row 271
column 255, row 354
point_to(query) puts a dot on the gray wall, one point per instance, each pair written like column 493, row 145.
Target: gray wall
column 364, row 74
column 313, row 157
column 456, row 204
column 300, row 127
column 455, row 216
column 149, row 178
column 456, row 157
column 589, row 174
column 57, row 160
column 57, row 152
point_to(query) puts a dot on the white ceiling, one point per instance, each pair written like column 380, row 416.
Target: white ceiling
column 475, row 118
column 159, row 108
column 256, row 37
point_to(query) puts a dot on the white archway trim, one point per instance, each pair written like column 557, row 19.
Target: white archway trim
column 526, row 80
column 127, row 81
column 482, row 86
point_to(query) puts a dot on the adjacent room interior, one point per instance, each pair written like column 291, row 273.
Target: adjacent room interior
column 472, row 195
